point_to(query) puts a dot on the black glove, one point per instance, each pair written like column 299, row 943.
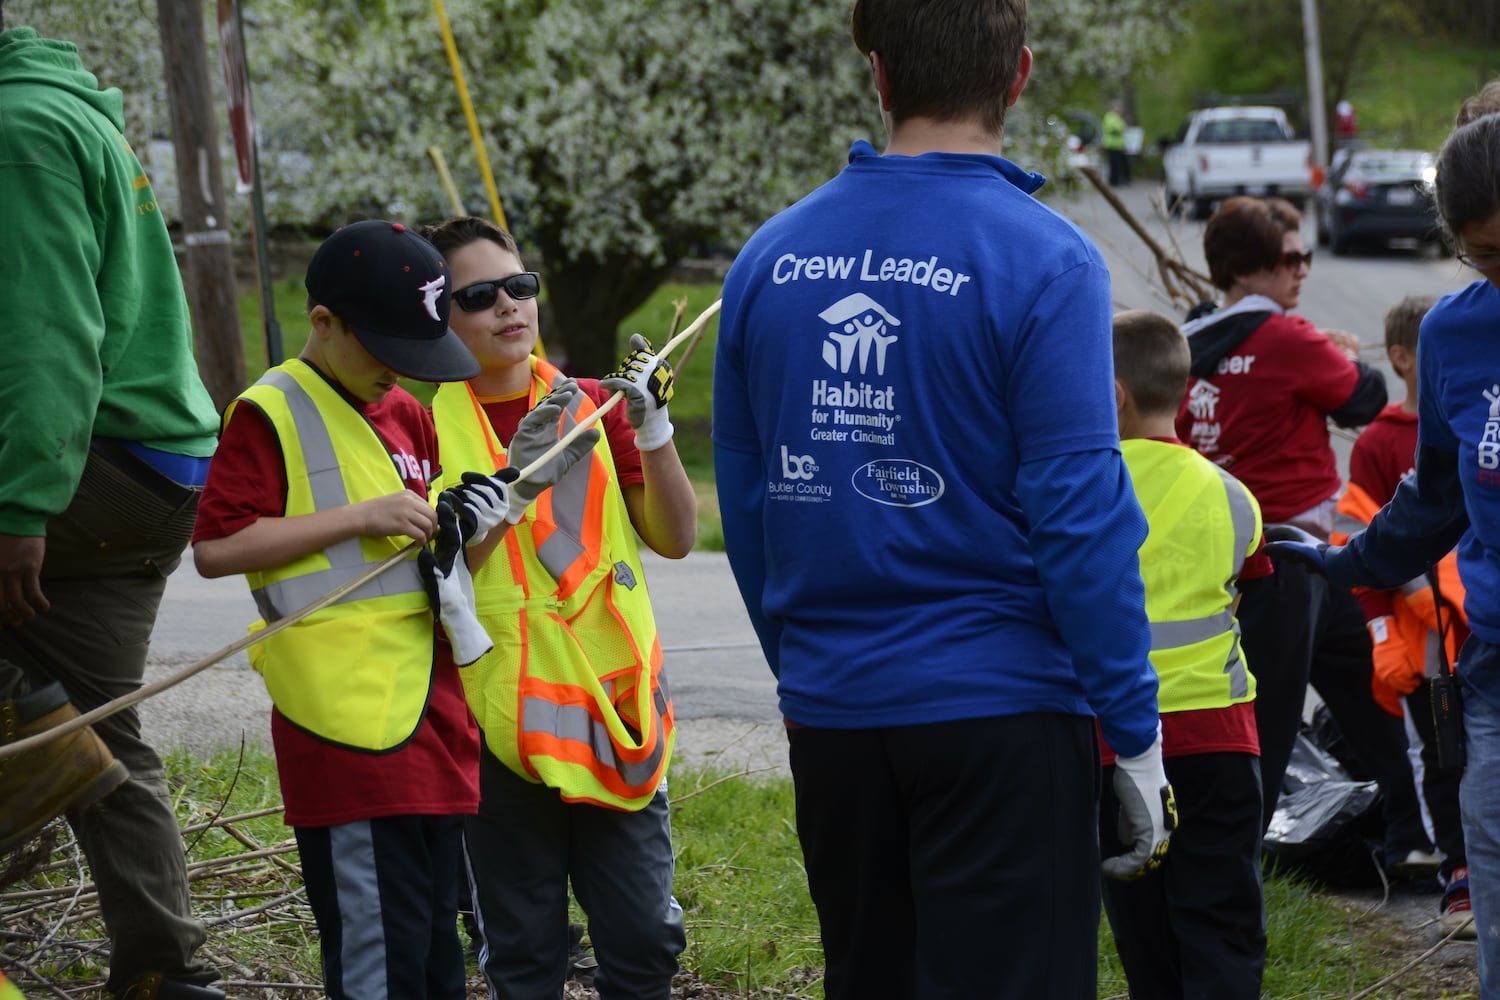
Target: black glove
column 444, row 569
column 481, row 502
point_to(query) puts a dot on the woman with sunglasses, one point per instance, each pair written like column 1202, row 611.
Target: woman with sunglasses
column 1454, row 495
column 1264, row 384
column 572, row 702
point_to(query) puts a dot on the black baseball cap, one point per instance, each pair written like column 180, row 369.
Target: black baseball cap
column 393, row 289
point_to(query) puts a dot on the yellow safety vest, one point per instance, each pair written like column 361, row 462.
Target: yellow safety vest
column 357, row 673
column 573, row 694
column 1203, row 524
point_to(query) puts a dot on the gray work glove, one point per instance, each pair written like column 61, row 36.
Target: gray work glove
column 444, row 569
column 646, row 380
column 1148, row 813
column 537, row 432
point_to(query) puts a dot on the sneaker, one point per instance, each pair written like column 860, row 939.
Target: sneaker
column 40, row 784
column 1456, row 911
column 1418, row 862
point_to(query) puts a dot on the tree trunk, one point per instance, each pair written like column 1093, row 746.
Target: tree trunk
column 211, row 288
column 589, row 300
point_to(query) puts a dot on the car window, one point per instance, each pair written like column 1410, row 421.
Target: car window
column 1391, row 164
column 1240, row 130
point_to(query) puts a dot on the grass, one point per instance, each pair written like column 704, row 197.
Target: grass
column 752, row 930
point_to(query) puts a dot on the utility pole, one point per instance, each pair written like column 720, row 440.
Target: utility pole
column 211, row 289
column 1317, row 110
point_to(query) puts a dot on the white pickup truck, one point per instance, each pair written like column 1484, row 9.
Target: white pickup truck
column 1235, row 150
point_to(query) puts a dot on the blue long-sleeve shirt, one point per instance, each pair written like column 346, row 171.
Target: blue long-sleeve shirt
column 917, row 456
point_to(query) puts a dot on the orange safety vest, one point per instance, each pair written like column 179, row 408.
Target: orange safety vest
column 1414, row 606
column 573, row 694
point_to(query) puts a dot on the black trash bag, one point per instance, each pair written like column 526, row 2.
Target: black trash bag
column 1325, row 732
column 1326, row 824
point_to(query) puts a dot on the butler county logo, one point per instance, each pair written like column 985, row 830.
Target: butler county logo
column 863, row 332
column 898, row 482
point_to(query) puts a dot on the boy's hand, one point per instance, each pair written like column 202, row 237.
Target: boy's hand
column 481, row 502
column 444, row 569
column 1148, row 814
column 646, row 380
column 403, row 513
column 537, row 432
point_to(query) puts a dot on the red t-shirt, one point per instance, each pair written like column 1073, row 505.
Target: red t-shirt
column 1384, row 453
column 1264, row 414
column 505, row 415
column 437, row 771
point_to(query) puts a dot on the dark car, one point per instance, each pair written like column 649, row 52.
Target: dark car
column 1374, row 195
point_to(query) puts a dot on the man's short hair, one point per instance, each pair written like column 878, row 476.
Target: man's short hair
column 1152, row 360
column 1245, row 237
column 1486, row 102
column 1404, row 319
column 944, row 59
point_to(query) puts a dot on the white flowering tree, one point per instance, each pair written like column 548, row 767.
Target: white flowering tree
column 623, row 136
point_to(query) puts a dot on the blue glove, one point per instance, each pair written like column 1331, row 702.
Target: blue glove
column 1293, row 543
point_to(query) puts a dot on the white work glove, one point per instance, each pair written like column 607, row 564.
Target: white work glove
column 1148, row 813
column 445, row 573
column 646, row 380
column 481, row 502
column 537, row 432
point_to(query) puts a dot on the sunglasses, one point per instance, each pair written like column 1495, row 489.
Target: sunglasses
column 1480, row 261
column 482, row 294
column 1292, row 258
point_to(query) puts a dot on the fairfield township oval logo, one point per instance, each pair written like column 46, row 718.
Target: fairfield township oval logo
column 898, row 482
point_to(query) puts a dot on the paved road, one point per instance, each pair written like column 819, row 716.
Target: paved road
column 725, row 697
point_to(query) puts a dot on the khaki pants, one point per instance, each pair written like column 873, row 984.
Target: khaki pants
column 107, row 560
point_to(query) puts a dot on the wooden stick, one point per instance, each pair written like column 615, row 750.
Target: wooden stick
column 156, row 687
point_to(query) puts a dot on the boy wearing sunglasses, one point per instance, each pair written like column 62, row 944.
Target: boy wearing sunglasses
column 573, row 702
column 322, row 473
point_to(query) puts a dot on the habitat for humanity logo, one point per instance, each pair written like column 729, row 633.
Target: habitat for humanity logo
column 863, row 325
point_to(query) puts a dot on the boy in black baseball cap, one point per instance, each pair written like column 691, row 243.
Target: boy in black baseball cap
column 322, row 473
column 390, row 288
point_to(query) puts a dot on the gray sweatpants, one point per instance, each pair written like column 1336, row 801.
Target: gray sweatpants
column 106, row 564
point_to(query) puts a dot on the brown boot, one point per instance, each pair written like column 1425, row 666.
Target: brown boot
column 69, row 772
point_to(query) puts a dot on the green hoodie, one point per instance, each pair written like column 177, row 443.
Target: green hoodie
column 95, row 334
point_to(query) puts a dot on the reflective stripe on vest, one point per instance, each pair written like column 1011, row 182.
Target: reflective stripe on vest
column 346, row 558
column 575, row 723
column 1186, row 566
column 356, row 673
column 573, row 695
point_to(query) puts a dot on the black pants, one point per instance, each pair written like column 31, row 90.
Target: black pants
column 385, row 894
column 1439, row 788
column 1195, row 929
column 1119, row 167
column 1296, row 631
column 924, row 844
